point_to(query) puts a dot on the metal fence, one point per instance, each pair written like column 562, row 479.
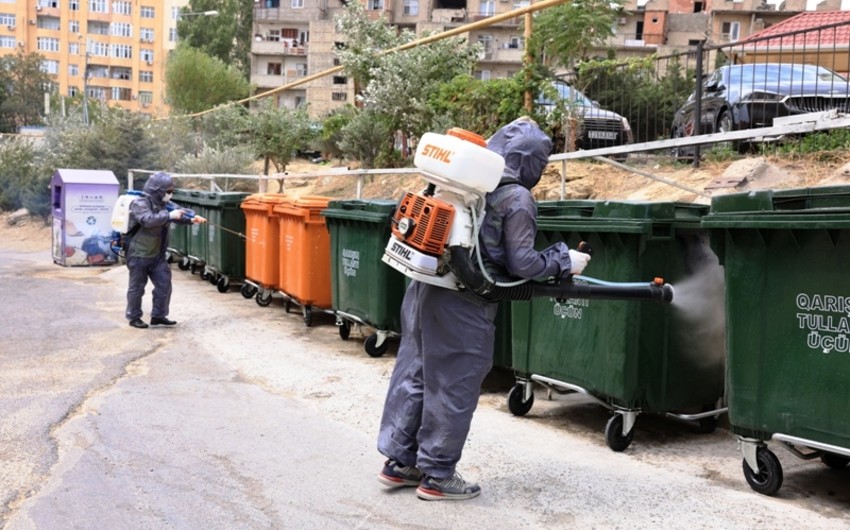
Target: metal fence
column 743, row 85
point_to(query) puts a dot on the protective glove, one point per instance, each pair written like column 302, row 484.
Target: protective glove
column 198, row 219
column 175, row 214
column 578, row 261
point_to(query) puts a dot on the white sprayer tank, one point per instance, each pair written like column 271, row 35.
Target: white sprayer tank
column 461, row 157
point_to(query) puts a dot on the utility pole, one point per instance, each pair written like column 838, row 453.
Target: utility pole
column 528, row 100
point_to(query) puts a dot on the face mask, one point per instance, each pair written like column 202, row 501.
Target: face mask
column 167, row 197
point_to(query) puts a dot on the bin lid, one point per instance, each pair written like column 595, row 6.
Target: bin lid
column 622, row 216
column 210, row 198
column 375, row 210
column 264, row 201
column 800, row 208
column 302, row 204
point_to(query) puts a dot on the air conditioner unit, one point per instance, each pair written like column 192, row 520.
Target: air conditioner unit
column 146, row 105
column 20, row 45
column 11, row 27
column 150, row 63
column 32, row 22
column 38, row 8
column 622, row 21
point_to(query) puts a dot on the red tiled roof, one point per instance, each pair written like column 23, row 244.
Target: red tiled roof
column 809, row 20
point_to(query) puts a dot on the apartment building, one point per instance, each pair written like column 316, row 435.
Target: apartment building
column 114, row 51
column 296, row 38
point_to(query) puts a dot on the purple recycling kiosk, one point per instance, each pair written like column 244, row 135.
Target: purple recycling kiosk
column 82, row 201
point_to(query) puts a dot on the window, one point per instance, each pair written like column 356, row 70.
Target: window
column 7, row 19
column 340, row 80
column 297, row 4
column 101, row 72
column 146, row 34
column 146, row 76
column 74, row 5
column 98, row 6
column 147, row 56
column 48, row 44
column 121, row 94
column 301, row 69
column 74, row 26
column 145, row 97
column 98, row 28
column 731, row 31
column 96, row 92
column 7, row 41
column 121, row 51
column 697, row 7
column 482, row 75
column 122, row 8
column 488, row 8
column 411, row 7
column 73, row 91
column 172, row 34
column 274, row 69
column 125, row 74
column 50, row 67
column 121, row 29
column 175, row 13
column 273, row 35
column 148, row 12
column 98, row 49
column 487, row 42
column 48, row 22
column 73, row 70
column 339, row 96
column 289, row 33
column 376, row 5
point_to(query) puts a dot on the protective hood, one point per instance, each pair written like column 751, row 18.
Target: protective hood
column 525, row 149
column 157, row 185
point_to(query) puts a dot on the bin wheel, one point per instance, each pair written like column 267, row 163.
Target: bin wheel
column 516, row 405
column 308, row 316
column 287, row 305
column 193, row 268
column 169, row 257
column 344, row 330
column 834, row 461
column 248, row 291
column 223, row 284
column 184, row 264
column 264, row 298
column 212, row 277
column 614, row 437
column 206, row 275
column 372, row 348
column 769, row 478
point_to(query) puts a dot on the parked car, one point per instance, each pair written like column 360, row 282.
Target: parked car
column 748, row 96
column 597, row 127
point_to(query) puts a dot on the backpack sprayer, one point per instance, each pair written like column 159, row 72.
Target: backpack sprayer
column 435, row 232
column 121, row 220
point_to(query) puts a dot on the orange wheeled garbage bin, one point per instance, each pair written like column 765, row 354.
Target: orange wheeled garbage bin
column 261, row 245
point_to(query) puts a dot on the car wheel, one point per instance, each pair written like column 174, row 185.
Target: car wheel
column 725, row 125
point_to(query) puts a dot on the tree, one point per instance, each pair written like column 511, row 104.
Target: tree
column 226, row 36
column 565, row 34
column 278, row 133
column 22, row 88
column 196, row 82
column 479, row 106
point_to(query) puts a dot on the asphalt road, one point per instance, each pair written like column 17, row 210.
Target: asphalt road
column 243, row 417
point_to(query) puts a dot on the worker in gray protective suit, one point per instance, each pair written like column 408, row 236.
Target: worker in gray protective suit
column 145, row 255
column 447, row 336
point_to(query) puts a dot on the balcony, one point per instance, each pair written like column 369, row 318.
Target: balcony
column 282, row 47
column 287, row 14
column 273, row 81
column 633, row 40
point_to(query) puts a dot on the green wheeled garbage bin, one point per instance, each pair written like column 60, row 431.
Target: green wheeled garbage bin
column 785, row 255
column 196, row 246
column 630, row 356
column 225, row 227
column 364, row 289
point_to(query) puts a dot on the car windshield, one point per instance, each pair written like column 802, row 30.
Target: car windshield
column 569, row 94
column 796, row 73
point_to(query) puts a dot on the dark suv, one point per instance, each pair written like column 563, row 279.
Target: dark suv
column 597, row 127
column 747, row 96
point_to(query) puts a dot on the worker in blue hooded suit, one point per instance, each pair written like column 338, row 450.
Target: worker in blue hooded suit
column 150, row 216
column 447, row 336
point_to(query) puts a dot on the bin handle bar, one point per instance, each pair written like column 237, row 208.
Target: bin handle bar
column 829, row 448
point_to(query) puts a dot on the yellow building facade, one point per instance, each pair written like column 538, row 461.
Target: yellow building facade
column 114, row 51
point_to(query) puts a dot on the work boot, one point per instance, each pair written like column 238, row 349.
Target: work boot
column 138, row 323
column 161, row 321
column 396, row 475
column 450, row 489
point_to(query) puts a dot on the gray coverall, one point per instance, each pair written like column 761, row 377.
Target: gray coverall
column 447, row 336
column 146, row 249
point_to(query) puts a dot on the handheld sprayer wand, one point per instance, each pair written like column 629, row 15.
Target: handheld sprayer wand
column 190, row 214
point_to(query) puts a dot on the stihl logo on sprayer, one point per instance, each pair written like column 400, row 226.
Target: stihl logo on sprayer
column 437, row 153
